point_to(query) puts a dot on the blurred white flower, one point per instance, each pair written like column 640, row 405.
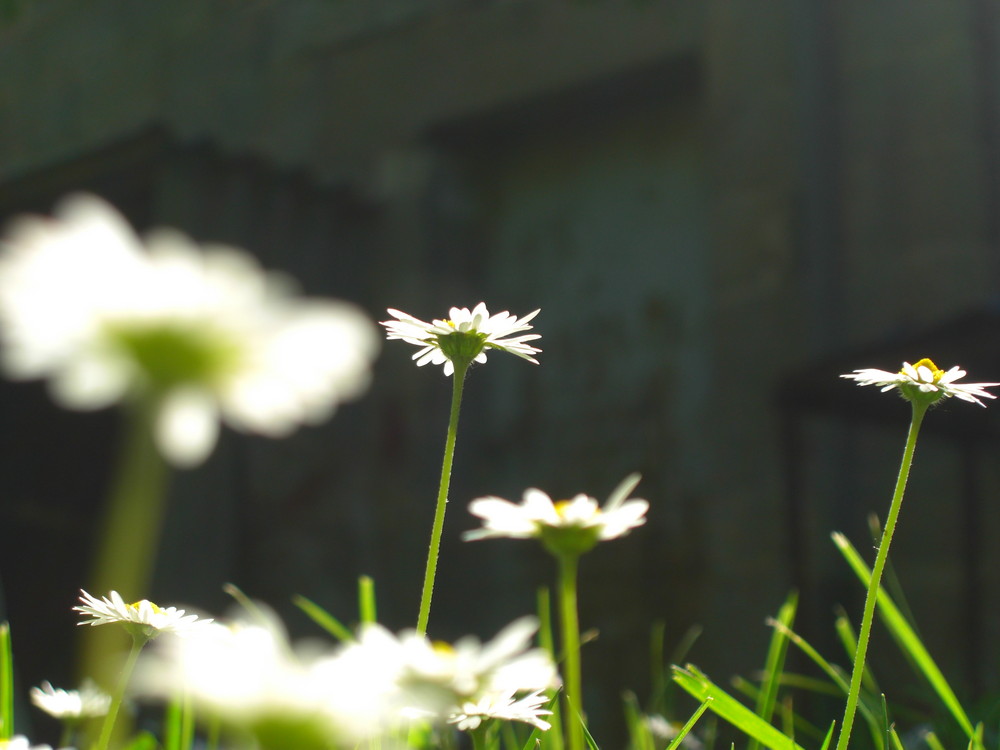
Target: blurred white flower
column 441, row 682
column 465, row 335
column 204, row 332
column 69, row 705
column 20, row 742
column 573, row 525
column 926, row 381
column 469, row 668
column 505, row 707
column 249, row 675
column 142, row 618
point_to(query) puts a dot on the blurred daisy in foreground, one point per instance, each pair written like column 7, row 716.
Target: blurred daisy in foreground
column 463, row 337
column 248, row 675
column 446, row 682
column 568, row 525
column 20, row 742
column 143, row 619
column 201, row 333
column 251, row 677
column 71, row 705
column 924, row 381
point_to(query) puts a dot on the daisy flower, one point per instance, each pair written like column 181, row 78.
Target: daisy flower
column 69, row 705
column 503, row 706
column 436, row 680
column 464, row 336
column 924, row 380
column 249, row 675
column 573, row 525
column 142, row 619
column 203, row 333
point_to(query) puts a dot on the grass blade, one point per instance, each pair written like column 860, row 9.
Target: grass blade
column 775, row 663
column 324, row 619
column 6, row 684
column 725, row 706
column 366, row 600
column 689, row 724
column 907, row 639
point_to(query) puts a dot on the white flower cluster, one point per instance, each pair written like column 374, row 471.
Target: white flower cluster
column 203, row 332
column 249, row 675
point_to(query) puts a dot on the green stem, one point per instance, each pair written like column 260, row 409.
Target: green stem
column 127, row 547
column 116, row 700
column 433, row 550
column 479, row 737
column 572, row 682
column 854, row 691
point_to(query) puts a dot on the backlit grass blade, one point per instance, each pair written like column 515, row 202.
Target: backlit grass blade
column 829, row 736
column 366, row 600
column 689, row 724
column 6, row 684
column 907, row 639
column 725, row 706
column 324, row 619
column 775, row 663
column 836, row 675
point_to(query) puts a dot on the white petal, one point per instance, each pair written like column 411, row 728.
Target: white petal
column 187, row 426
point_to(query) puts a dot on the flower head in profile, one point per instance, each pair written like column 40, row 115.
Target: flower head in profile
column 924, row 382
column 143, row 619
column 71, row 705
column 464, row 337
column 568, row 526
column 504, row 707
column 201, row 333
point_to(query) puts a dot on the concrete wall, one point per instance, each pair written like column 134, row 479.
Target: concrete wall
column 702, row 197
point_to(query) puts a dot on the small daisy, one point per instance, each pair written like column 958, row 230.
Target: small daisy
column 465, row 336
column 204, row 334
column 926, row 381
column 503, row 706
column 573, row 525
column 142, row 619
column 69, row 705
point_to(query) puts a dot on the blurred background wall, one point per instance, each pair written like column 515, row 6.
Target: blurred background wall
column 719, row 207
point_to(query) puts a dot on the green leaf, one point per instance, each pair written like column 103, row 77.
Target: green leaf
column 689, row 724
column 324, row 619
column 698, row 685
column 366, row 600
column 6, row 684
column 907, row 639
column 829, row 736
column 775, row 663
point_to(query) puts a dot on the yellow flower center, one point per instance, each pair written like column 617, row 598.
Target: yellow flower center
column 443, row 649
column 936, row 372
column 136, row 605
column 562, row 506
